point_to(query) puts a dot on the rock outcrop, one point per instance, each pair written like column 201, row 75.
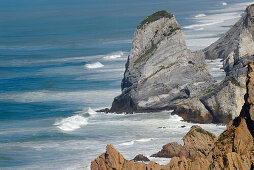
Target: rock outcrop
column 141, row 157
column 113, row 160
column 161, row 71
column 233, row 149
column 197, row 142
column 223, row 101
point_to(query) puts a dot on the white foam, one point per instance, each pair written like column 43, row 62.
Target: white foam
column 138, row 140
column 91, row 112
column 127, row 143
column 71, row 123
column 114, row 56
column 200, row 15
column 224, row 4
column 94, row 65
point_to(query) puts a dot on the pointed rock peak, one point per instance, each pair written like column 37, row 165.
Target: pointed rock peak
column 154, row 17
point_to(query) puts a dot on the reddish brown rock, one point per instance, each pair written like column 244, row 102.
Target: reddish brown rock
column 141, row 157
column 234, row 148
column 197, row 142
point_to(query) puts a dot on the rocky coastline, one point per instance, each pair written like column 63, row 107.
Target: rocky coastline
column 232, row 149
column 163, row 74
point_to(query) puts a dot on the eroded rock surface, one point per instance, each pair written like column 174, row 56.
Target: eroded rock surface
column 197, row 142
column 233, row 149
column 161, row 71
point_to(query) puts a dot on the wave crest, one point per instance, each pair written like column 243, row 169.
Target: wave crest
column 94, row 65
column 71, row 123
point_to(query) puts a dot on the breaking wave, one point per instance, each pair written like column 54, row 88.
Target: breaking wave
column 71, row 123
column 94, row 65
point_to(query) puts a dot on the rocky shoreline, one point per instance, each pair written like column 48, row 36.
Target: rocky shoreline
column 163, row 74
column 233, row 149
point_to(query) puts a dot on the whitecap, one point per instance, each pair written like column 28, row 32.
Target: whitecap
column 91, row 112
column 224, row 3
column 138, row 140
column 71, row 123
column 200, row 15
column 145, row 139
column 94, row 65
column 127, row 143
column 113, row 56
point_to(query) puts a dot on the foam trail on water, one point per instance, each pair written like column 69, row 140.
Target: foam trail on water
column 138, row 140
column 94, row 65
column 71, row 123
column 114, row 55
column 200, row 15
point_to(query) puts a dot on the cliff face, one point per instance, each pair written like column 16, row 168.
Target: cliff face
column 161, row 71
column 233, row 149
column 223, row 102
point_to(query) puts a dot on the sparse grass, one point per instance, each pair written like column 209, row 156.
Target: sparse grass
column 208, row 91
column 227, row 134
column 172, row 31
column 235, row 82
column 145, row 56
column 200, row 130
column 155, row 16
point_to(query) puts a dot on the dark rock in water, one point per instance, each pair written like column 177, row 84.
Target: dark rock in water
column 106, row 110
column 183, row 126
column 141, row 157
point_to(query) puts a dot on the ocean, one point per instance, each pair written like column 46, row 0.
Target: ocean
column 60, row 60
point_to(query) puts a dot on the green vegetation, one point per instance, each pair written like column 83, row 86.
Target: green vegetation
column 154, row 17
column 145, row 56
column 208, row 91
column 227, row 134
column 172, row 31
column 235, row 82
column 200, row 130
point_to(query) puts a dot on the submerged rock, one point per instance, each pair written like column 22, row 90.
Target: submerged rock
column 161, row 72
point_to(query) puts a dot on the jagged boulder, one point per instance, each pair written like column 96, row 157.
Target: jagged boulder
column 141, row 157
column 113, row 160
column 161, row 71
column 197, row 142
column 234, row 148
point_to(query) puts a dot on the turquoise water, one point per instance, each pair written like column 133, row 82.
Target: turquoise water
column 62, row 59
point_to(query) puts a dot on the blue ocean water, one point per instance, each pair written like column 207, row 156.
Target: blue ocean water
column 62, row 59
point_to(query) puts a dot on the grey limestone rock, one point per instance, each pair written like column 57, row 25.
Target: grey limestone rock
column 161, row 71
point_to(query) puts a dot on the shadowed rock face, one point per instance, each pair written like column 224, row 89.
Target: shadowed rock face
column 161, row 71
column 233, row 149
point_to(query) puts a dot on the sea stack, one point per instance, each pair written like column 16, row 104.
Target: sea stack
column 161, row 72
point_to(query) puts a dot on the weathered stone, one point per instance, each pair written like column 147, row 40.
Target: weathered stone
column 161, row 72
column 141, row 157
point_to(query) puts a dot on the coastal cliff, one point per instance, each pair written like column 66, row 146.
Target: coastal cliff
column 224, row 100
column 233, row 149
column 161, row 71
